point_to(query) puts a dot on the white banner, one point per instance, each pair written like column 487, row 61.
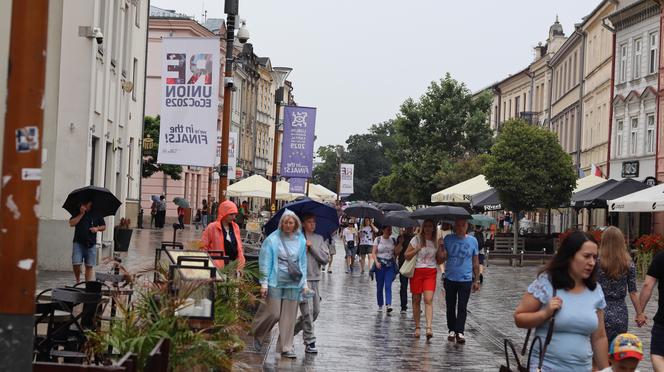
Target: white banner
column 346, row 179
column 232, row 155
column 189, row 102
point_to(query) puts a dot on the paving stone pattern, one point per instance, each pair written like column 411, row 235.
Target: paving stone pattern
column 353, row 336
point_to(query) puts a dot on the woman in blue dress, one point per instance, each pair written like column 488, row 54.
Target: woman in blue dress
column 578, row 304
column 282, row 255
column 617, row 276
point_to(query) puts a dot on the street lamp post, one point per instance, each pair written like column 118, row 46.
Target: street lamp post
column 279, row 75
column 231, row 8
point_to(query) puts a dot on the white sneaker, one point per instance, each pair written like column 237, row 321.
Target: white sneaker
column 380, row 309
column 451, row 336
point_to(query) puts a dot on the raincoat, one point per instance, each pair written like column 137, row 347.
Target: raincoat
column 213, row 237
column 269, row 254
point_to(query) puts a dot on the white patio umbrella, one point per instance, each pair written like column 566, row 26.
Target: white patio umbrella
column 588, row 181
column 321, row 193
column 648, row 200
column 461, row 192
column 283, row 191
column 254, row 186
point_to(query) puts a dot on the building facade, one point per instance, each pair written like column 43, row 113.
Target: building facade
column 93, row 115
column 196, row 183
column 597, row 58
column 634, row 132
column 264, row 119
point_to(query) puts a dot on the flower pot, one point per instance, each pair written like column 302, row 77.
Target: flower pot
column 122, row 238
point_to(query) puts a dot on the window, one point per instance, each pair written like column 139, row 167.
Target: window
column 650, row 134
column 524, row 102
column 574, row 69
column 573, row 136
column 623, row 63
column 619, row 137
column 652, row 56
column 137, row 13
column 516, row 106
column 134, row 79
column 633, row 135
column 637, row 58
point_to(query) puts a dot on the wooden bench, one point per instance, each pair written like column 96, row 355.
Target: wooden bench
column 502, row 249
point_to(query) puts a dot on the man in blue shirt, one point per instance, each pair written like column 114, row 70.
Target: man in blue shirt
column 460, row 251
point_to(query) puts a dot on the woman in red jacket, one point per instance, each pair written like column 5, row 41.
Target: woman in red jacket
column 224, row 235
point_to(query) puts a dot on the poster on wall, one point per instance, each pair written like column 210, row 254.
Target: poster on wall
column 189, row 101
column 346, row 179
column 297, row 154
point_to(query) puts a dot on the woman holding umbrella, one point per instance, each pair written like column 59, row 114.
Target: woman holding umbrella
column 224, row 235
column 283, row 267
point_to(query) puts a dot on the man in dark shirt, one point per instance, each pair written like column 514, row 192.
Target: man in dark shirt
column 85, row 240
column 655, row 276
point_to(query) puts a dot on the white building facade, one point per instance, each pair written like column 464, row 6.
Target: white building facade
column 93, row 114
column 634, row 132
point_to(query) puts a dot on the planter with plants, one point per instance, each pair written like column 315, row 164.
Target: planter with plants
column 153, row 316
column 646, row 248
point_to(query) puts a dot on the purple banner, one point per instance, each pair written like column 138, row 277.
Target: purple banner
column 297, row 153
column 297, row 185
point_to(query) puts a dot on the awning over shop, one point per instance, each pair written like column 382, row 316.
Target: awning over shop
column 461, row 192
column 647, row 200
column 597, row 196
column 486, row 201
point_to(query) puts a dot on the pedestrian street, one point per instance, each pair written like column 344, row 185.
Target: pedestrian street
column 353, row 336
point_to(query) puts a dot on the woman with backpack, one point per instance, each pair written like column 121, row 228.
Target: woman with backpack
column 423, row 283
column 386, row 267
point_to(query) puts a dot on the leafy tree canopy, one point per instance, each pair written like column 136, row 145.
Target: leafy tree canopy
column 150, row 165
column 529, row 168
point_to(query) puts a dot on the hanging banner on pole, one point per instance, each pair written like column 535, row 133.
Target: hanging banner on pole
column 232, row 155
column 189, row 101
column 346, row 179
column 297, row 153
column 297, row 185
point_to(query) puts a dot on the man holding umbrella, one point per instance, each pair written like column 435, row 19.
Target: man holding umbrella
column 86, row 226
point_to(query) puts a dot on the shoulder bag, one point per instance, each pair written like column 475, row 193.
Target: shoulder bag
column 408, row 267
column 293, row 268
column 509, row 346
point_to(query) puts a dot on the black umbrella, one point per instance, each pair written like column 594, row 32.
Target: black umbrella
column 398, row 219
column 387, row 207
column 363, row 210
column 440, row 212
column 485, row 201
column 104, row 203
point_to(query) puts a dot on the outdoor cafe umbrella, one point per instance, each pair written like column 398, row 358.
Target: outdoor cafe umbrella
column 363, row 210
column 327, row 220
column 387, row 207
column 104, row 203
column 440, row 212
column 181, row 202
column 397, row 219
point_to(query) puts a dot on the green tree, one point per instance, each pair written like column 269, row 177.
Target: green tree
column 150, row 165
column 529, row 169
column 447, row 125
column 325, row 173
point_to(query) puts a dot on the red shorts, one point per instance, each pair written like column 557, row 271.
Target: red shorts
column 424, row 279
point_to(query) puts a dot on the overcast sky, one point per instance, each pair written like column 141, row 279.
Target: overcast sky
column 358, row 60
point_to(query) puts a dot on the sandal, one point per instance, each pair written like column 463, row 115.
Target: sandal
column 417, row 332
column 429, row 333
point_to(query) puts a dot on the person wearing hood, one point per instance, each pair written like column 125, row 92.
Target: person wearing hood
column 283, row 266
column 224, row 235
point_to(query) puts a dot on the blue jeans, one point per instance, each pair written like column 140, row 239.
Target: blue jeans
column 384, row 278
column 81, row 253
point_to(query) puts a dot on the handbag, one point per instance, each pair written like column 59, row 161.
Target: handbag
column 509, row 346
column 408, row 267
column 293, row 268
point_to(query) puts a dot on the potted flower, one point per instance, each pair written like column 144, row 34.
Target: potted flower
column 646, row 248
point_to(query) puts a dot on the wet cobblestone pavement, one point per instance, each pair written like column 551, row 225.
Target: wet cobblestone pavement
column 353, row 336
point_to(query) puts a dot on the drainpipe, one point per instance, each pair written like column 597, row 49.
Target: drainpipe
column 579, row 119
column 612, row 81
column 659, row 99
column 548, row 119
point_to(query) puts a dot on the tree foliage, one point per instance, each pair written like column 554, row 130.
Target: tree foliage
column 433, row 139
column 150, row 165
column 529, row 168
column 325, row 173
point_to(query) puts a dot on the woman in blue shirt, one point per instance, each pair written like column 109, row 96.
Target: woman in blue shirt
column 282, row 254
column 578, row 334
